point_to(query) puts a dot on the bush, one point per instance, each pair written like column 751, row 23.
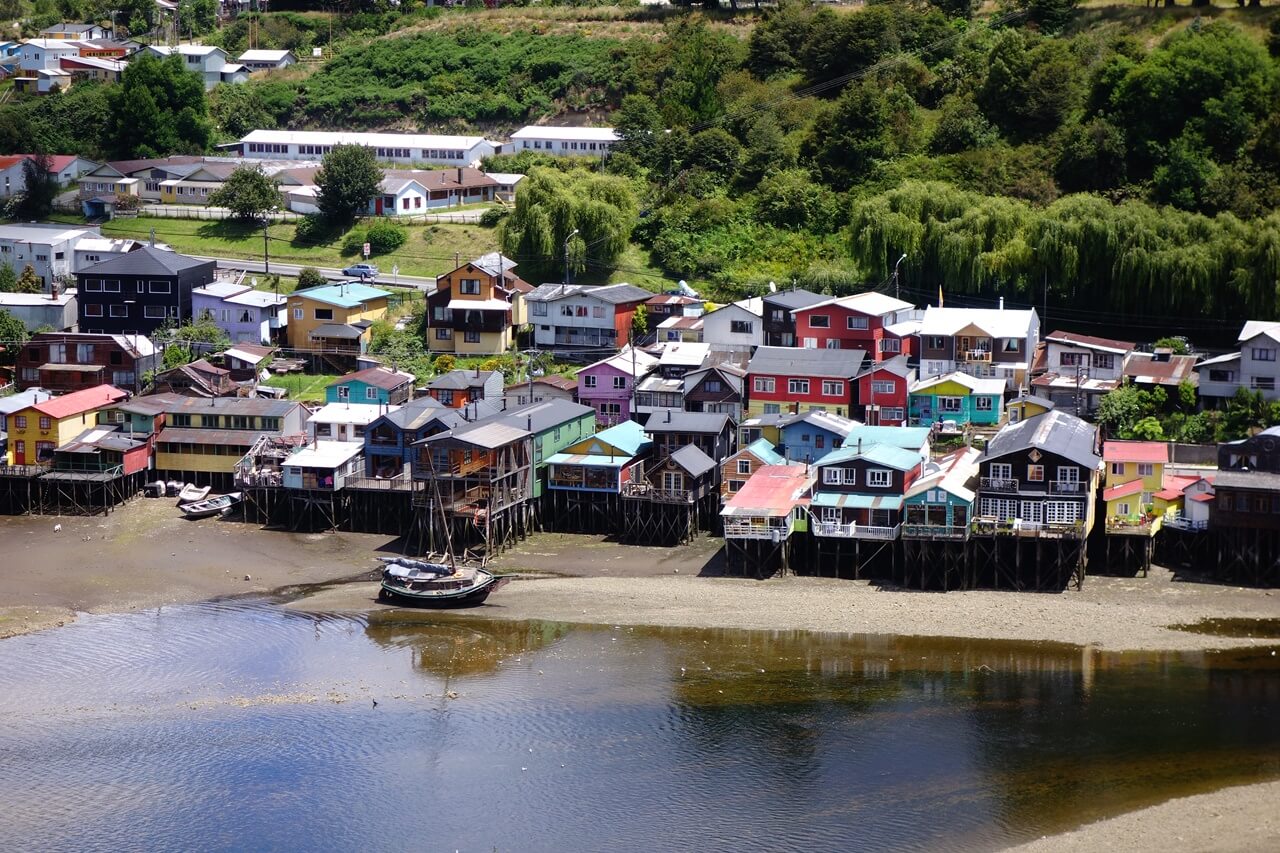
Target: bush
column 353, row 242
column 491, row 217
column 385, row 237
column 312, row 230
column 310, row 277
column 444, row 363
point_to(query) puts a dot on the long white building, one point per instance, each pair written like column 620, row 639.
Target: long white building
column 571, row 141
column 405, row 148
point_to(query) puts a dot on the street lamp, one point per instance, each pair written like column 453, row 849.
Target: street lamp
column 897, row 287
column 566, row 254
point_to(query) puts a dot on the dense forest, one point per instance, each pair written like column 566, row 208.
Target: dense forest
column 1126, row 160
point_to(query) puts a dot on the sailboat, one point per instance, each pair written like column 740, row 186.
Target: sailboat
column 421, row 583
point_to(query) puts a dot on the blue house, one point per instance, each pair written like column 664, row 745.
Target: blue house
column 374, row 385
column 908, row 438
column 811, row 435
column 388, row 441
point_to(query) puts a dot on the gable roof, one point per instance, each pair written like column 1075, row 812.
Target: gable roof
column 1090, row 342
column 1055, row 432
column 764, row 451
column 869, row 302
column 793, row 361
column 693, row 460
column 973, row 383
column 146, row 260
column 1135, row 451
column 825, row 420
column 613, row 294
column 1143, row 367
column 623, row 362
column 772, row 491
column 79, row 402
column 909, row 438
column 379, row 377
column 730, row 375
column 23, row 399
column 461, row 379
column 261, row 55
column 1253, row 328
column 345, row 295
column 956, row 473
column 996, row 322
column 794, row 299
column 709, row 423
column 176, row 403
column 899, row 365
column 494, row 263
column 542, row 415
column 627, row 437
column 898, row 458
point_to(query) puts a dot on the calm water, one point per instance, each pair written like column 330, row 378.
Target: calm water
column 239, row 725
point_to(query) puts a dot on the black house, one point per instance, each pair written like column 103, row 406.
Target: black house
column 138, row 292
column 779, row 324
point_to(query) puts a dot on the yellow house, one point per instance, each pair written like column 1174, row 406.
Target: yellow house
column 477, row 308
column 35, row 431
column 335, row 317
column 203, row 439
column 1027, row 406
column 1133, row 475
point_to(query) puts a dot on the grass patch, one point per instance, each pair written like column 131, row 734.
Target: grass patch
column 303, row 386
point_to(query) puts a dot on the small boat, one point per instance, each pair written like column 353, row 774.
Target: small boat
column 173, row 487
column 154, row 490
column 212, row 506
column 422, row 584
column 191, row 493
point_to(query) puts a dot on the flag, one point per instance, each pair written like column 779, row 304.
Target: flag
column 939, row 296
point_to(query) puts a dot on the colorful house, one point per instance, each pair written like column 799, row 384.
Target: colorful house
column 389, row 440
column 553, row 425
column 908, row 438
column 956, row 397
column 988, row 342
column 576, row 316
column 882, row 391
column 809, row 436
column 852, row 322
column 459, row 388
column 1133, row 473
column 608, row 386
column 1026, row 406
column 39, row 428
column 604, row 462
column 1197, row 500
column 860, row 489
column 373, row 386
column 738, row 468
column 796, row 380
column 767, row 427
column 939, row 505
column 335, row 318
column 767, row 510
column 322, row 466
column 203, row 439
column 476, row 308
column 344, row 421
column 104, row 450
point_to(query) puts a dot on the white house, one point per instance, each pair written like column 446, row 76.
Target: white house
column 43, row 81
column 266, row 60
column 982, row 342
column 45, row 54
column 324, row 465
column 73, row 32
column 737, row 326
column 48, row 249
column 206, row 60
column 406, row 148
column 1078, row 370
column 345, row 421
column 1254, row 366
column 91, row 249
column 574, row 315
column 569, row 141
column 39, row 310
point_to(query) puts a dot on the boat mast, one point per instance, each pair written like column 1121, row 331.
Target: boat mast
column 435, row 488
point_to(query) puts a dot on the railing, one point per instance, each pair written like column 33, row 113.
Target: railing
column 977, row 355
column 999, row 484
column 646, row 491
column 868, row 531
column 1062, row 487
column 934, row 531
column 397, row 483
column 1181, row 522
column 835, row 529
column 1133, row 525
column 23, row 470
column 755, row 530
column 1017, row 527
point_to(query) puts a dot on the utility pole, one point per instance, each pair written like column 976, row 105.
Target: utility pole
column 266, row 246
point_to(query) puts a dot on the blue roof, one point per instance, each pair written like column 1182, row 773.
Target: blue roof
column 848, row 501
column 877, row 454
column 908, row 437
column 628, row 437
column 765, row 452
column 348, row 295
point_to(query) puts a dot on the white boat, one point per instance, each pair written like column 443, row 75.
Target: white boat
column 191, row 493
column 212, row 506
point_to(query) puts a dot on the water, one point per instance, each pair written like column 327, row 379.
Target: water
column 241, row 725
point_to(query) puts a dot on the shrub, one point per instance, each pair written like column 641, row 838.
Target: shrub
column 353, row 242
column 445, row 363
column 491, row 217
column 312, row 230
column 310, row 277
column 385, row 237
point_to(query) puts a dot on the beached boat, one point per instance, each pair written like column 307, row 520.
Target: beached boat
column 421, row 584
column 154, row 490
column 191, row 493
column 173, row 487
column 212, row 506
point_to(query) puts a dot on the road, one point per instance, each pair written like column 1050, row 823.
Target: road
column 414, row 282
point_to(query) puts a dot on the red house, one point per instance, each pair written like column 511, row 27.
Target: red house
column 882, row 392
column 864, row 321
column 786, row 379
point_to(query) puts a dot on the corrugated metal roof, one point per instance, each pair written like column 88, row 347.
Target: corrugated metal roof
column 231, row 437
column 146, row 260
column 708, row 423
column 773, row 490
column 346, row 295
column 1135, row 451
column 589, row 459
column 844, row 501
column 887, row 455
column 1055, row 431
column 794, row 361
column 693, row 460
column 176, row 403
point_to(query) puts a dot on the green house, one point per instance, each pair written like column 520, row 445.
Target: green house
column 956, row 397
column 373, row 385
column 555, row 424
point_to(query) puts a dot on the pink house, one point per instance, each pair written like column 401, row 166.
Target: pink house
column 608, row 386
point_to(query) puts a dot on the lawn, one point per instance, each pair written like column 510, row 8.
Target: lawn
column 429, row 251
column 303, row 386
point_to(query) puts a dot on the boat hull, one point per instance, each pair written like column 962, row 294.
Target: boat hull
column 473, row 596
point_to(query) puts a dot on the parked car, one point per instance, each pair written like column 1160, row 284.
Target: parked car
column 361, row 271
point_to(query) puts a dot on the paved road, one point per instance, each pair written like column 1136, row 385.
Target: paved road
column 251, row 267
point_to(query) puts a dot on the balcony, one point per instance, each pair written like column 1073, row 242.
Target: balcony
column 1028, row 529
column 1061, row 487
column 935, row 531
column 999, row 484
column 1181, row 522
column 646, row 491
column 740, row 529
column 853, row 530
column 399, row 483
column 1118, row 525
column 977, row 355
column 834, row 529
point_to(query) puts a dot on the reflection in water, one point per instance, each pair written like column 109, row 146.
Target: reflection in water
column 221, row 726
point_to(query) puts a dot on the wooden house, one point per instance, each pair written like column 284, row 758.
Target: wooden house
column 1076, row 371
column 334, row 319
column 855, row 322
column 779, row 314
column 711, row 433
column 477, row 308
column 197, row 379
column 138, row 292
column 609, row 385
column 585, row 481
column 682, row 477
column 38, row 428
column 71, row 361
column 956, row 397
column 908, row 438
column 323, row 466
column 346, row 422
column 204, row 439
column 784, row 379
column 1133, row 474
column 1026, row 406
column 553, row 425
column 105, row 450
column 736, row 326
column 135, row 415
column 738, row 468
column 575, row 316
column 539, row 388
column 720, row 388
column 882, row 390
column 859, row 491
column 809, row 436
column 937, row 511
column 768, row 427
column 459, row 388
column 389, row 440
column 760, row 518
column 983, row 342
column 373, row 385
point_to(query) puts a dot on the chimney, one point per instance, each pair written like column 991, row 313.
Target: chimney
column 1001, row 303
column 529, row 422
column 859, row 445
column 459, row 174
column 668, row 416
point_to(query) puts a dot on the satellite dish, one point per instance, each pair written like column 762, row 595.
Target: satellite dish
column 773, row 287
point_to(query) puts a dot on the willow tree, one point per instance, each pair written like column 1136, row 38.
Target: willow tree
column 589, row 215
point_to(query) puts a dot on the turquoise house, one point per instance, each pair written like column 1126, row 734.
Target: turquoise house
column 555, row 425
column 956, row 397
column 939, row 504
column 373, row 385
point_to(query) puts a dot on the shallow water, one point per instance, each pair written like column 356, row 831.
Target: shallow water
column 240, row 725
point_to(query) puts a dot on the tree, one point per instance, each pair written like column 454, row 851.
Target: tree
column 176, row 355
column 846, row 146
column 1148, row 429
column 248, row 192
column 29, row 282
column 40, row 187
column 1092, row 157
column 158, row 109
column 640, row 322
column 790, row 199
column 348, row 180
column 311, row 277
column 201, row 335
column 8, row 279
column 1030, row 85
column 1177, row 343
column 961, row 126
column 14, row 333
column 444, row 363
column 716, row 151
column 639, row 127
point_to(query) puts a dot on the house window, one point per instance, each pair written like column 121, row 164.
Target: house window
column 764, row 384
column 20, row 421
column 797, row 386
column 711, row 385
column 588, row 381
column 324, row 313
column 735, row 485
column 1117, row 469
column 119, row 310
column 855, row 323
column 597, row 311
column 1071, row 359
column 772, row 409
column 831, row 476
column 444, row 334
column 1035, row 473
column 850, row 476
column 819, row 321
column 892, row 414
column 344, row 392
column 153, row 312
column 983, row 403
column 881, row 387
column 819, row 442
column 878, row 477
column 471, row 337
column 84, row 353
column 1104, row 361
column 1263, row 354
column 45, row 423
column 92, row 285
column 1012, row 345
column 1263, row 383
column 159, row 287
column 538, row 309
column 1146, row 469
column 832, row 388
column 1222, row 375
column 1001, row 471
column 1069, row 477
column 935, row 342
column 950, row 405
column 890, row 345
column 297, row 313
column 469, row 286
column 741, row 327
column 744, row 466
column 371, row 393
column 672, row 481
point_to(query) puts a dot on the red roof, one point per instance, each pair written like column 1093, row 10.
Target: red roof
column 1123, row 490
column 57, row 162
column 11, row 159
column 771, row 490
column 79, row 402
column 1202, row 497
column 1089, row 341
column 1135, row 451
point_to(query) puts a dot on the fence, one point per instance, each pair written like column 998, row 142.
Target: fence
column 192, row 211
